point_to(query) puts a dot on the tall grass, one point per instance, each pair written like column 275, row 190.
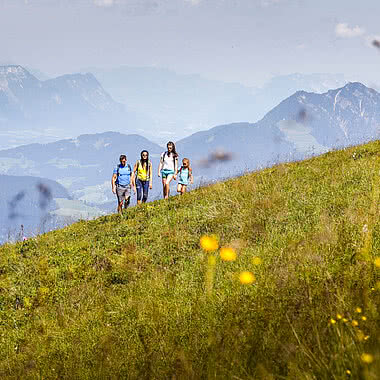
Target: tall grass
column 136, row 296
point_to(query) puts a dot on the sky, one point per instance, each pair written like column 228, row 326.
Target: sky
column 246, row 41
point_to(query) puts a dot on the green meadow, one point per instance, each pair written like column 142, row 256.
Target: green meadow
column 137, row 297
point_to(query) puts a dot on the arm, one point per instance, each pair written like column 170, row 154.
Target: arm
column 133, row 177
column 175, row 168
column 160, row 167
column 191, row 176
column 113, row 183
column 150, row 170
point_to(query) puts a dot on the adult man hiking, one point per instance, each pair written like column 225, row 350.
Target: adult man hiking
column 121, row 183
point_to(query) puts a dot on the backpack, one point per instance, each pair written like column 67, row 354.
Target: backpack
column 188, row 172
column 129, row 168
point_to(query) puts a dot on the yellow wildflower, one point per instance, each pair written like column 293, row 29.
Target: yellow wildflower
column 377, row 262
column 355, row 323
column 345, row 320
column 339, row 316
column 348, row 372
column 366, row 337
column 366, row 358
column 228, row 254
column 364, row 318
column 332, row 321
column 358, row 309
column 209, row 243
column 256, row 260
column 247, row 278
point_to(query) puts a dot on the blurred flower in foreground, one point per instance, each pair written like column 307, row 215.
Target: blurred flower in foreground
column 367, row 358
column 209, row 243
column 247, row 278
column 360, row 335
column 228, row 254
column 339, row 316
column 211, row 261
column 348, row 372
column 377, row 262
column 355, row 323
column 256, row 260
column 358, row 309
column 332, row 321
column 215, row 158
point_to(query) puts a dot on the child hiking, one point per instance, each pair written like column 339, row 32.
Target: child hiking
column 167, row 169
column 185, row 176
column 143, row 182
column 121, row 183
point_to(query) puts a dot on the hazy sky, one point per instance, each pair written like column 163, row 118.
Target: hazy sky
column 248, row 41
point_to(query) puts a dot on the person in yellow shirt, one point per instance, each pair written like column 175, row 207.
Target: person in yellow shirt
column 142, row 177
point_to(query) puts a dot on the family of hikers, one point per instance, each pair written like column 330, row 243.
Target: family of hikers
column 140, row 178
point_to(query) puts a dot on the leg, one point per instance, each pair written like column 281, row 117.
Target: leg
column 127, row 201
column 164, row 186
column 120, row 198
column 139, row 191
column 179, row 188
column 127, row 197
column 167, row 185
column 145, row 191
column 183, row 190
column 120, row 207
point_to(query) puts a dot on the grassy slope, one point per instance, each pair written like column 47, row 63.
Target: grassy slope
column 124, row 297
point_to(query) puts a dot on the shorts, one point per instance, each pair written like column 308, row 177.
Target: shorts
column 166, row 173
column 183, row 183
column 123, row 193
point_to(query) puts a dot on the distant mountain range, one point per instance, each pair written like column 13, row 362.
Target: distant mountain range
column 303, row 124
column 180, row 105
column 64, row 105
column 148, row 100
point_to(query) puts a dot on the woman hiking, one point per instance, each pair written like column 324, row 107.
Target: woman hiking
column 142, row 182
column 168, row 167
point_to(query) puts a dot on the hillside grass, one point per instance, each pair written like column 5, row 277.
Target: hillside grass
column 136, row 297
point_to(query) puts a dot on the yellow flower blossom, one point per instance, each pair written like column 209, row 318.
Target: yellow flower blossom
column 247, row 278
column 332, row 321
column 209, row 243
column 339, row 316
column 355, row 323
column 228, row 254
column 345, row 320
column 348, row 372
column 364, row 318
column 366, row 358
column 377, row 262
column 256, row 260
column 366, row 337
column 358, row 309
